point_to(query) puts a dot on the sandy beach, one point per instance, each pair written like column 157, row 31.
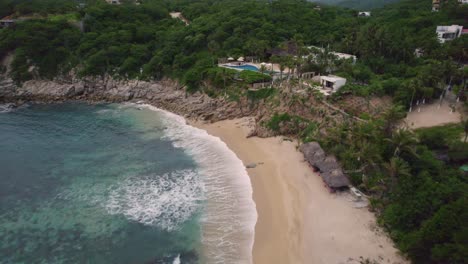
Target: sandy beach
column 430, row 115
column 299, row 221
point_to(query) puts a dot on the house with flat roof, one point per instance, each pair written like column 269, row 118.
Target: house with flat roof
column 463, row 2
column 447, row 33
column 332, row 82
column 113, row 2
column 337, row 55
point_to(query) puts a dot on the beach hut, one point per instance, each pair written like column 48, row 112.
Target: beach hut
column 313, row 154
column 328, row 166
column 335, row 179
column 329, row 163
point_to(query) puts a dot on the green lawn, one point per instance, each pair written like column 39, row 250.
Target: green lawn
column 69, row 17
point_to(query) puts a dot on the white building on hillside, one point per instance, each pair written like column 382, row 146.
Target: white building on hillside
column 332, row 83
column 463, row 1
column 447, row 33
column 364, row 14
column 338, row 55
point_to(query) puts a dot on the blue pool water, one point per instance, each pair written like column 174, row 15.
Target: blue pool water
column 245, row 67
column 119, row 184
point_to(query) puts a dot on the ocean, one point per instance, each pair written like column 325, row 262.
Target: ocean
column 119, row 183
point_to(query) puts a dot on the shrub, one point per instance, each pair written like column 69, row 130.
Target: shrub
column 254, row 77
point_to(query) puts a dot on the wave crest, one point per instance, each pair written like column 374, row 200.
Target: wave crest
column 165, row 200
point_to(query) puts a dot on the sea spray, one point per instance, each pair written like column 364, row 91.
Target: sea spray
column 94, row 184
column 230, row 215
column 165, row 201
column 113, row 184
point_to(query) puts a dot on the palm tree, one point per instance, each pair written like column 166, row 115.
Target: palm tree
column 395, row 169
column 224, row 76
column 403, row 141
column 282, row 67
column 465, row 128
column 392, row 118
column 262, row 70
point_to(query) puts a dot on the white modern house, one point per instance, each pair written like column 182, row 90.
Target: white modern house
column 338, row 55
column 332, row 83
column 447, row 33
column 364, row 14
column 463, row 2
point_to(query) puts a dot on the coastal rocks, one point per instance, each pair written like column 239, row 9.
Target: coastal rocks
column 5, row 108
column 7, row 87
column 166, row 94
column 251, row 166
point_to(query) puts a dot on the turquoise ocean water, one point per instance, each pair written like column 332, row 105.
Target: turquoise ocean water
column 119, row 184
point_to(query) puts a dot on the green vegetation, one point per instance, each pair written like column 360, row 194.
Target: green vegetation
column 420, row 199
column 254, row 77
column 37, row 7
column 130, row 41
column 418, row 191
column 359, row 4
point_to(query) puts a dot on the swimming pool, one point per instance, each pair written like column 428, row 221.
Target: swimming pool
column 244, row 67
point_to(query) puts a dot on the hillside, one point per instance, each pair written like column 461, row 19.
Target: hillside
column 359, row 4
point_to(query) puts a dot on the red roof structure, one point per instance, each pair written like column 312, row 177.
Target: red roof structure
column 7, row 18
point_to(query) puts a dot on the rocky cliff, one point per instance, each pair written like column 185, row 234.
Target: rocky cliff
column 166, row 94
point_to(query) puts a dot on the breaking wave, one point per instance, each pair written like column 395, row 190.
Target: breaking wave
column 229, row 217
column 165, row 200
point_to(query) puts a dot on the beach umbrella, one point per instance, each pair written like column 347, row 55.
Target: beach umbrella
column 230, row 59
column 241, row 59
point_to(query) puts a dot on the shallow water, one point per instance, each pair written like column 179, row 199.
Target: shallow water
column 115, row 184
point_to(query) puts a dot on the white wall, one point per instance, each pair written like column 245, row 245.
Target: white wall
column 338, row 84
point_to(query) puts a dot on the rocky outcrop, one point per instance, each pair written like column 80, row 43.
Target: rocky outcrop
column 166, row 94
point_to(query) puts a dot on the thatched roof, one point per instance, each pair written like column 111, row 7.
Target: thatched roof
column 329, row 164
column 313, row 153
column 335, row 178
column 329, row 167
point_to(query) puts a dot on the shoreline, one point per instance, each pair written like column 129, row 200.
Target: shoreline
column 299, row 221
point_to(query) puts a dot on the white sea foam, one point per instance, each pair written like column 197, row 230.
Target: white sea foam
column 230, row 214
column 176, row 260
column 165, row 200
column 6, row 108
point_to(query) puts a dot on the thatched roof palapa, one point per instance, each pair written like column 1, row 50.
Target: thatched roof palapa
column 313, row 153
column 335, row 178
column 329, row 164
column 329, row 167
